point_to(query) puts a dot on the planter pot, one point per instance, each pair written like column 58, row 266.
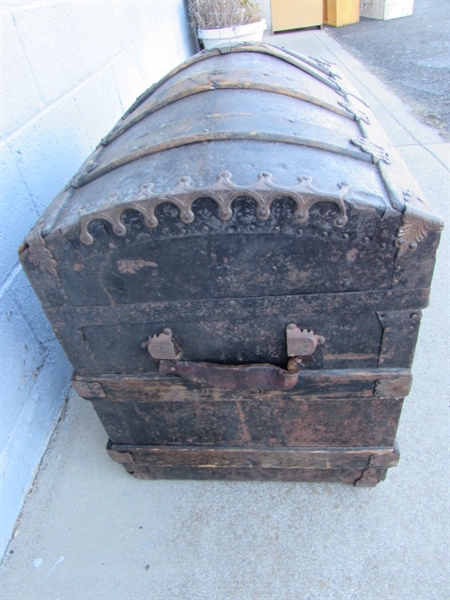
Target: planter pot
column 251, row 32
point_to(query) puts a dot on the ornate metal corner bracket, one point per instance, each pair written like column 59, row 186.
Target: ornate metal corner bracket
column 415, row 227
column 393, row 388
column 88, row 389
column 385, row 460
column 224, row 191
column 39, row 254
column 369, row 478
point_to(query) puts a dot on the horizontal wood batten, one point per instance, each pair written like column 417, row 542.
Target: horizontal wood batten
column 338, row 385
column 356, row 466
column 293, row 458
column 243, row 308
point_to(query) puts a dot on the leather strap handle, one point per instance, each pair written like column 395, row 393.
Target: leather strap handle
column 301, row 343
column 233, row 377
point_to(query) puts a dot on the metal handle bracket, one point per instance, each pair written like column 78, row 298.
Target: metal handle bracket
column 301, row 343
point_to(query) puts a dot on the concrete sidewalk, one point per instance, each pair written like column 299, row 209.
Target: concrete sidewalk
column 89, row 531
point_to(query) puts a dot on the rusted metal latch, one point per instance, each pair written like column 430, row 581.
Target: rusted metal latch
column 161, row 347
column 301, row 344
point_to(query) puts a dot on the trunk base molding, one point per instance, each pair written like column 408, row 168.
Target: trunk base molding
column 362, row 467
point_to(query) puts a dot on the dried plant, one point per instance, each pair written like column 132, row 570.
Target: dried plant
column 213, row 14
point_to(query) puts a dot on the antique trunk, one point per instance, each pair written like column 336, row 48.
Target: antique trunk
column 237, row 275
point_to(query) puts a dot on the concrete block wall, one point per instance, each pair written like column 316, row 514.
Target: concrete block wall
column 69, row 71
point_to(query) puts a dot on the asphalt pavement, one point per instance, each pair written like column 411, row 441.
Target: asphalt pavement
column 411, row 55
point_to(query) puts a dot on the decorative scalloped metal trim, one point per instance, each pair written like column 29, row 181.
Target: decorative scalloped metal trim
column 264, row 191
column 39, row 254
column 378, row 152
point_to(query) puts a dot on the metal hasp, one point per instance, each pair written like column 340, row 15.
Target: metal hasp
column 301, row 344
column 161, row 347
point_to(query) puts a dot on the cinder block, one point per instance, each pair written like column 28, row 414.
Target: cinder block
column 99, row 105
column 50, row 151
column 31, row 310
column 146, row 17
column 56, row 47
column 72, row 69
column 128, row 77
column 100, row 31
column 135, row 20
column 171, row 42
column 168, row 9
column 37, row 415
column 19, row 96
column 28, row 440
column 146, row 49
column 21, row 358
column 125, row 27
column 17, row 213
column 52, row 385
